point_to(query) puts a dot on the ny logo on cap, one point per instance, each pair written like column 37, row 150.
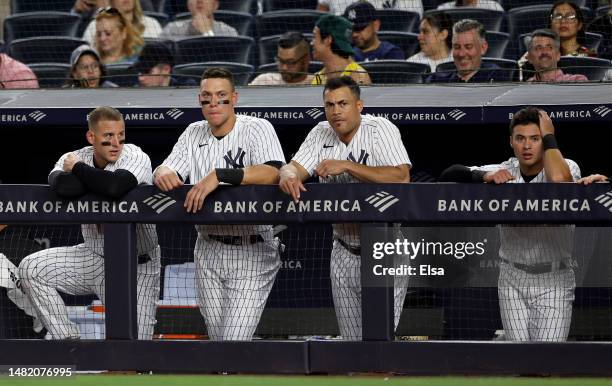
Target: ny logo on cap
column 352, row 15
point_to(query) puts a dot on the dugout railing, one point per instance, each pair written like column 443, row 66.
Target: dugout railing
column 408, row 204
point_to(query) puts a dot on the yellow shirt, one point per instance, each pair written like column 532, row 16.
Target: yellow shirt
column 320, row 78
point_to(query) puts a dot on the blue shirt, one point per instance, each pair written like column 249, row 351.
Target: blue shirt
column 488, row 72
column 385, row 50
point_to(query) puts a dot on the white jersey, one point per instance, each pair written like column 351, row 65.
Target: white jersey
column 135, row 161
column 377, row 142
column 197, row 152
column 528, row 244
column 338, row 6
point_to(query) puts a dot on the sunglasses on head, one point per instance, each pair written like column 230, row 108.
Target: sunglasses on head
column 109, row 10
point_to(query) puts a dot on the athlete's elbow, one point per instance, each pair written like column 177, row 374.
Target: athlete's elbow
column 560, row 177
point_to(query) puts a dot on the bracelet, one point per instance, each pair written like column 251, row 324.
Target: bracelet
column 549, row 142
column 230, row 176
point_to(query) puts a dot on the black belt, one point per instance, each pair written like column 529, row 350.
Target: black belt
column 143, row 259
column 237, row 240
column 351, row 249
column 539, row 268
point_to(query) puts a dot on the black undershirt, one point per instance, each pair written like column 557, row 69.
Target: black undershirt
column 85, row 178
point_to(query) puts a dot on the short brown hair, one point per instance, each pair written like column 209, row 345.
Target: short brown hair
column 103, row 113
column 220, row 73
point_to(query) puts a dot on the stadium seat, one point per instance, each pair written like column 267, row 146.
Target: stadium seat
column 272, row 67
column 498, row 41
column 241, row 21
column 279, row 22
column 592, row 41
column 601, row 11
column 21, row 6
column 592, row 68
column 509, row 4
column 492, row 20
column 395, row 71
column 121, row 74
column 51, row 74
column 505, row 64
column 213, row 49
column 277, row 5
column 603, row 25
column 526, row 19
column 161, row 17
column 398, row 20
column 242, row 72
column 157, row 5
column 407, row 41
column 267, row 47
column 432, row 4
column 55, row 49
column 27, row 25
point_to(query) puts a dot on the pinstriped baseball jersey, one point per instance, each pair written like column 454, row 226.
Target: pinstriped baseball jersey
column 377, row 142
column 137, row 162
column 197, row 152
column 534, row 244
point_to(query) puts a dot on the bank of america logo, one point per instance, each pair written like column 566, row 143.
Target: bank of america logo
column 314, row 113
column 456, row 114
column 37, row 115
column 602, row 111
column 382, row 201
column 174, row 113
column 159, row 202
column 605, row 200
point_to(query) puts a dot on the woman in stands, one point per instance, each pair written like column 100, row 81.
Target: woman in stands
column 87, row 71
column 145, row 26
column 435, row 40
column 116, row 40
column 567, row 20
column 485, row 4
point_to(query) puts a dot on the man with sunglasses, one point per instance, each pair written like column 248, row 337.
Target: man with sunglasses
column 366, row 43
column 292, row 58
column 235, row 264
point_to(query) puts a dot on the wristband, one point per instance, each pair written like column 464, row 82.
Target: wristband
column 230, row 176
column 549, row 142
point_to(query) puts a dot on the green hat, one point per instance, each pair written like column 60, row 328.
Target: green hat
column 340, row 29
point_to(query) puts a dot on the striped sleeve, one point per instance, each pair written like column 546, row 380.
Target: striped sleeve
column 267, row 146
column 137, row 162
column 390, row 146
column 574, row 169
column 59, row 165
column 308, row 155
column 179, row 160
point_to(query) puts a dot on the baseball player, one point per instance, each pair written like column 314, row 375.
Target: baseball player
column 235, row 264
column 109, row 168
column 536, row 281
column 348, row 147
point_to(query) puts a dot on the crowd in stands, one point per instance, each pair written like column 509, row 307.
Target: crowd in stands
column 139, row 43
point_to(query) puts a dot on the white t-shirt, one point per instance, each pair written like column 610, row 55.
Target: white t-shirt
column 152, row 30
column 485, row 4
column 275, row 79
column 338, row 6
column 421, row 58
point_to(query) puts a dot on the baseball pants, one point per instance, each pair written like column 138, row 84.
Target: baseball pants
column 76, row 270
column 233, row 284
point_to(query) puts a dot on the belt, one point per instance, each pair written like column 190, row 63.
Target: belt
column 539, row 268
column 143, row 259
column 351, row 249
column 237, row 240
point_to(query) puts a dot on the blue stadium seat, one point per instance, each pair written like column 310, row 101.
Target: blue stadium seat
column 277, row 5
column 21, row 6
column 213, row 49
column 498, row 41
column 492, row 20
column 242, row 72
column 592, row 41
column 157, row 5
column 592, row 68
column 54, row 49
column 51, row 74
column 407, row 41
column 603, row 10
column 279, row 22
column 30, row 24
column 395, row 71
column 121, row 74
column 241, row 21
column 398, row 20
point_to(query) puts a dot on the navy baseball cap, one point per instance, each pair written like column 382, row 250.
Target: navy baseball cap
column 80, row 51
column 152, row 54
column 360, row 14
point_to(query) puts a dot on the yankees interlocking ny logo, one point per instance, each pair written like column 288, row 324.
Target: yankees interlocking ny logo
column 382, row 200
column 236, row 162
column 363, row 157
column 390, row 4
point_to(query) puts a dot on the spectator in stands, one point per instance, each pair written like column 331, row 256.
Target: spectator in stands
column 435, row 40
column 116, row 40
column 143, row 25
column 202, row 22
column 543, row 54
column 292, row 58
column 87, row 8
column 567, row 20
column 87, row 71
column 337, row 7
column 331, row 45
column 469, row 45
column 366, row 44
column 14, row 74
column 154, row 67
column 485, row 4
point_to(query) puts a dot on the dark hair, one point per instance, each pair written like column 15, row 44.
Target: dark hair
column 343, row 81
column 218, row 72
column 441, row 21
column 291, row 39
column 546, row 33
column 103, row 113
column 525, row 116
column 580, row 36
column 79, row 83
column 334, row 46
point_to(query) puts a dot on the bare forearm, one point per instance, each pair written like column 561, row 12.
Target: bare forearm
column 555, row 167
column 379, row 174
column 260, row 174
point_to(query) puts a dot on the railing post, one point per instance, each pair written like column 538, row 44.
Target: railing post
column 376, row 291
column 120, row 265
